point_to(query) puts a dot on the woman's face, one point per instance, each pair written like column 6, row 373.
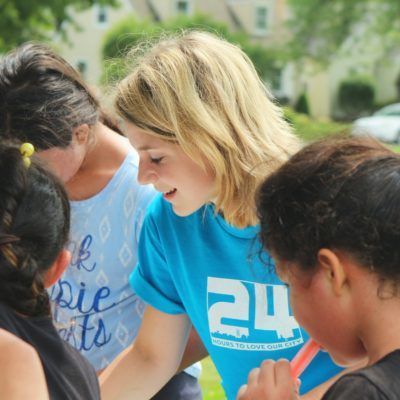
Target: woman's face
column 64, row 162
column 325, row 317
column 184, row 183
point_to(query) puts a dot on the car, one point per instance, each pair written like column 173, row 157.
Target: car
column 384, row 124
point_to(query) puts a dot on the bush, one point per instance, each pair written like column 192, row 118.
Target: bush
column 356, row 96
column 301, row 105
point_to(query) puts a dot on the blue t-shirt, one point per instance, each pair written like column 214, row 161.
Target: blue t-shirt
column 214, row 272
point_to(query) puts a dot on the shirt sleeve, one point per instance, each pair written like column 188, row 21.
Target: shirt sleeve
column 354, row 387
column 152, row 279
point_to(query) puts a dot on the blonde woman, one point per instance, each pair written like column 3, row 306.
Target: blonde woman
column 207, row 134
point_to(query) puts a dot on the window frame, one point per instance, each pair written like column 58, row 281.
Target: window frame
column 257, row 29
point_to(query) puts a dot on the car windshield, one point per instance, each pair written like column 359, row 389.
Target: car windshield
column 393, row 110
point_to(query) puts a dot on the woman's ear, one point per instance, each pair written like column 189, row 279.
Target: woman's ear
column 56, row 270
column 81, row 133
column 333, row 269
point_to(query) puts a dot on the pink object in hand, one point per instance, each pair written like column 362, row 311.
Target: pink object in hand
column 303, row 358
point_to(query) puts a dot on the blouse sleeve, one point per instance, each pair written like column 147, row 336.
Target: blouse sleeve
column 152, row 279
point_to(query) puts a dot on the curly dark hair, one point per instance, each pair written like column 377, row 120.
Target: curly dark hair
column 337, row 193
column 34, row 227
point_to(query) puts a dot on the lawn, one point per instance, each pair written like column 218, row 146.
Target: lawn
column 309, row 129
column 395, row 147
column 210, row 381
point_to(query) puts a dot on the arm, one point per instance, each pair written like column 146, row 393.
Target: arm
column 141, row 370
column 195, row 350
column 22, row 375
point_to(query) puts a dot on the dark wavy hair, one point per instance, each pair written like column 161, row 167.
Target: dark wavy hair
column 337, row 193
column 34, row 227
column 43, row 98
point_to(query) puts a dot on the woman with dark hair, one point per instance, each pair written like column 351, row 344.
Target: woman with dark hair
column 44, row 101
column 331, row 218
column 34, row 226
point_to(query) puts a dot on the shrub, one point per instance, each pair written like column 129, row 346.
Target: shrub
column 356, row 96
column 301, row 105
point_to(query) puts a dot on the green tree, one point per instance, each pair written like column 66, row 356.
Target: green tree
column 128, row 32
column 321, row 28
column 23, row 20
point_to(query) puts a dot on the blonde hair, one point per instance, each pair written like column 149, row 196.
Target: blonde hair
column 204, row 93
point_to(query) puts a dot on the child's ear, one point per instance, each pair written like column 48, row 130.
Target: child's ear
column 56, row 270
column 82, row 133
column 333, row 269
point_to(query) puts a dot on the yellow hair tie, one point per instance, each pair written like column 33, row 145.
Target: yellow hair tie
column 27, row 151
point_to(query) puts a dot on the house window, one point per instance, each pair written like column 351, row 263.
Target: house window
column 101, row 15
column 182, row 7
column 261, row 19
column 275, row 79
column 81, row 66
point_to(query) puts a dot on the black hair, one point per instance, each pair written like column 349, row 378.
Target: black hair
column 341, row 194
column 43, row 98
column 34, row 227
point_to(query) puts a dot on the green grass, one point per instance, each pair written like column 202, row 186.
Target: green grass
column 395, row 147
column 210, row 381
column 309, row 129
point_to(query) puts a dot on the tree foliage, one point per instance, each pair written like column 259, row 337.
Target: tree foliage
column 23, row 20
column 321, row 28
column 129, row 32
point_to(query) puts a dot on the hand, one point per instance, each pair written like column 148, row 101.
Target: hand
column 272, row 381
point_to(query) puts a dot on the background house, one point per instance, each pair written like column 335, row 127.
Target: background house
column 83, row 48
column 265, row 23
